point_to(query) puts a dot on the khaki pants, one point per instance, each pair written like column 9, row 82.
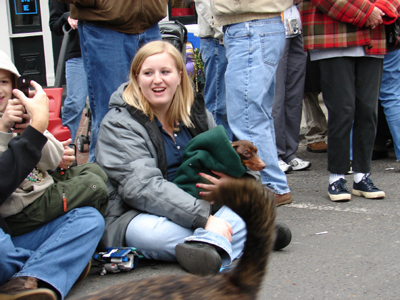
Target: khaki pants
column 83, row 185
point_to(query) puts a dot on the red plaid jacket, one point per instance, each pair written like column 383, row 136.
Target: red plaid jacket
column 340, row 24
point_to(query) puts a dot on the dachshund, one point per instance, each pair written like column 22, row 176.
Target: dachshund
column 256, row 206
column 248, row 155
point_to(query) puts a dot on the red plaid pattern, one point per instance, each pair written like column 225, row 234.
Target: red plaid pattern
column 338, row 24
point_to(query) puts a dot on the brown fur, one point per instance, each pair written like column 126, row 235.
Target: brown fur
column 256, row 206
column 248, row 155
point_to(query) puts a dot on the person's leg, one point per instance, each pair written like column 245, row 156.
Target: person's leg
column 107, row 66
column 279, row 105
column 390, row 96
column 59, row 250
column 296, row 68
column 368, row 80
column 253, row 50
column 338, row 87
column 315, row 119
column 76, row 95
column 156, row 237
column 214, row 59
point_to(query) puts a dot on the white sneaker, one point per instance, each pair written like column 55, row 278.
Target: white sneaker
column 299, row 164
column 284, row 166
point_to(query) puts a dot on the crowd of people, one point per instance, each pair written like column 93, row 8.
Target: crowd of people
column 261, row 61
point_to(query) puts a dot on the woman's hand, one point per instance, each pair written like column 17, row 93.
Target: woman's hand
column 375, row 18
column 214, row 182
column 219, row 226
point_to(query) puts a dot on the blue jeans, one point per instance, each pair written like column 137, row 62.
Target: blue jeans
column 76, row 95
column 253, row 50
column 156, row 237
column 214, row 59
column 107, row 57
column 390, row 96
column 55, row 253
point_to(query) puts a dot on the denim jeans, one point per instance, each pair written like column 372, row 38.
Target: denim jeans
column 390, row 96
column 55, row 253
column 253, row 50
column 107, row 57
column 156, row 237
column 76, row 95
column 214, row 59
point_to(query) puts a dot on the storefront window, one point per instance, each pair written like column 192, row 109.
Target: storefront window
column 25, row 16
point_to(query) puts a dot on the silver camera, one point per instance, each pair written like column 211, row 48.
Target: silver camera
column 293, row 26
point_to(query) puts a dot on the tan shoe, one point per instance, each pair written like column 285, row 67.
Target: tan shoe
column 319, row 147
column 283, row 199
column 84, row 273
column 25, row 288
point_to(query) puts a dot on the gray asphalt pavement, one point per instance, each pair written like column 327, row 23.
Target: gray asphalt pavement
column 357, row 257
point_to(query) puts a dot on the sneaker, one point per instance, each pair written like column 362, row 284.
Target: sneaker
column 25, row 288
column 283, row 199
column 198, row 258
column 283, row 236
column 367, row 189
column 338, row 191
column 299, row 164
column 319, row 147
column 284, row 166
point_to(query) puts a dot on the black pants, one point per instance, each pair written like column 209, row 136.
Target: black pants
column 350, row 88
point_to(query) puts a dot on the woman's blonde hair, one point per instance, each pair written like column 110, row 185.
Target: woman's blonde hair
column 183, row 98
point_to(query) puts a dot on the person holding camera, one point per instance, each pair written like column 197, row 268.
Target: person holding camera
column 287, row 107
column 46, row 262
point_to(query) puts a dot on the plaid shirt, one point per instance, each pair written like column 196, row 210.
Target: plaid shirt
column 340, row 24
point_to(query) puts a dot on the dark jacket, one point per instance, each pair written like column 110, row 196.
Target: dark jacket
column 128, row 16
column 59, row 13
column 22, row 155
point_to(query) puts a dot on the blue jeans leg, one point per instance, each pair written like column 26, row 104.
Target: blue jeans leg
column 107, row 56
column 390, row 96
column 76, row 95
column 156, row 237
column 214, row 59
column 55, row 253
column 253, row 50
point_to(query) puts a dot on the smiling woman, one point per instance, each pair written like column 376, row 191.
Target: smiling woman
column 140, row 146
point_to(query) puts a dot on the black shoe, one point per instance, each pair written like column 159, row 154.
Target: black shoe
column 283, row 236
column 198, row 258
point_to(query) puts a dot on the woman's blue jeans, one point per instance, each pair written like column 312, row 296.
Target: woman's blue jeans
column 390, row 96
column 156, row 237
column 55, row 253
column 253, row 50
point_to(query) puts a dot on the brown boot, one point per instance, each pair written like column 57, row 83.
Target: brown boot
column 283, row 199
column 25, row 288
column 319, row 147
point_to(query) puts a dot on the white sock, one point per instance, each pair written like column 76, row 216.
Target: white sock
column 335, row 177
column 358, row 177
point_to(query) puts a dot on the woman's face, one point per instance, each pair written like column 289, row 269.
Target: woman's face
column 158, row 79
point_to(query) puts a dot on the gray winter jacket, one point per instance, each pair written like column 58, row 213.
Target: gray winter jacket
column 130, row 149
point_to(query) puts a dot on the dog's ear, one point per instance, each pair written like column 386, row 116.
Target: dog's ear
column 234, row 144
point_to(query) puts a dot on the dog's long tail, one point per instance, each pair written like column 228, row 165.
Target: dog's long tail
column 256, row 206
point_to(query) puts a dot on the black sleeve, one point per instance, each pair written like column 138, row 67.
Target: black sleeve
column 59, row 13
column 22, row 155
